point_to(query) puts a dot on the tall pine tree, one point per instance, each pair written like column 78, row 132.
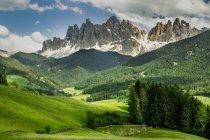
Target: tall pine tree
column 207, row 127
column 135, row 115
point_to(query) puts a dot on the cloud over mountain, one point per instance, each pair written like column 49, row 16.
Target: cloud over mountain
column 151, row 11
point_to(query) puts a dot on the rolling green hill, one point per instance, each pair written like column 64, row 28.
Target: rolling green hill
column 23, row 111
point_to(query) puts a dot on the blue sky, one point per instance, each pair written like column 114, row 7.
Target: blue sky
column 50, row 22
column 25, row 24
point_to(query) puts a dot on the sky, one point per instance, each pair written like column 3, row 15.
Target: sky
column 25, row 24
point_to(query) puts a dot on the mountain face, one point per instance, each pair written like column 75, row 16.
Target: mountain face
column 172, row 32
column 119, row 36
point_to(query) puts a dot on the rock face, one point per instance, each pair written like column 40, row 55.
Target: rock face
column 113, row 35
column 119, row 36
column 172, row 32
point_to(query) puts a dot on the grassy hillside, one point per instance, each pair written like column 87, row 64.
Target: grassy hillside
column 23, row 111
column 36, row 81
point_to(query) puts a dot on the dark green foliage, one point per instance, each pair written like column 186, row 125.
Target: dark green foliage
column 90, row 120
column 47, row 129
column 168, row 106
column 3, row 76
column 92, row 60
column 207, row 127
column 105, row 119
column 133, row 102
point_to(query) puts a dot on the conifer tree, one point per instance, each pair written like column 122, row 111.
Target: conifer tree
column 135, row 115
column 207, row 127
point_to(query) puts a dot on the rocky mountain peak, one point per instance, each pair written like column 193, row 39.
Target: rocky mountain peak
column 168, row 32
column 115, row 35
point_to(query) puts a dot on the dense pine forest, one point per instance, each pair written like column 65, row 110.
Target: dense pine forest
column 168, row 106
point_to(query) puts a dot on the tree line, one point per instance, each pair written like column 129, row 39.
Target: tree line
column 168, row 106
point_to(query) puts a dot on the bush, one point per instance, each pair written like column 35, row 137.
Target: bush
column 40, row 131
column 14, row 84
column 47, row 129
column 105, row 119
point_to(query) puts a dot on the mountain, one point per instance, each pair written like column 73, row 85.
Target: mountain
column 110, row 36
column 185, row 63
column 172, row 32
column 119, row 36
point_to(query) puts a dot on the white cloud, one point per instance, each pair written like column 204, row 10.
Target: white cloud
column 76, row 9
column 37, row 22
column 37, row 37
column 28, row 43
column 27, row 4
column 36, row 7
column 144, row 11
column 13, row 4
column 4, row 31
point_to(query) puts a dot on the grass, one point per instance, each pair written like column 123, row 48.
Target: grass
column 82, row 97
column 111, row 104
column 165, row 134
column 203, row 99
column 24, row 111
column 73, row 91
column 88, row 134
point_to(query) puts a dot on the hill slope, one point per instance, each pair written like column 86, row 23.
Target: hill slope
column 23, row 111
column 78, row 66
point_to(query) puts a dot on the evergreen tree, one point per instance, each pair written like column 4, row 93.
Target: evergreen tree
column 207, row 127
column 3, row 76
column 140, row 89
column 135, row 115
column 185, row 116
column 90, row 120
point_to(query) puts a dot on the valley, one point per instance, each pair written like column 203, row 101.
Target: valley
column 109, row 80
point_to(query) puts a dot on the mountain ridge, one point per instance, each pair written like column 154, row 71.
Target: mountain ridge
column 119, row 36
